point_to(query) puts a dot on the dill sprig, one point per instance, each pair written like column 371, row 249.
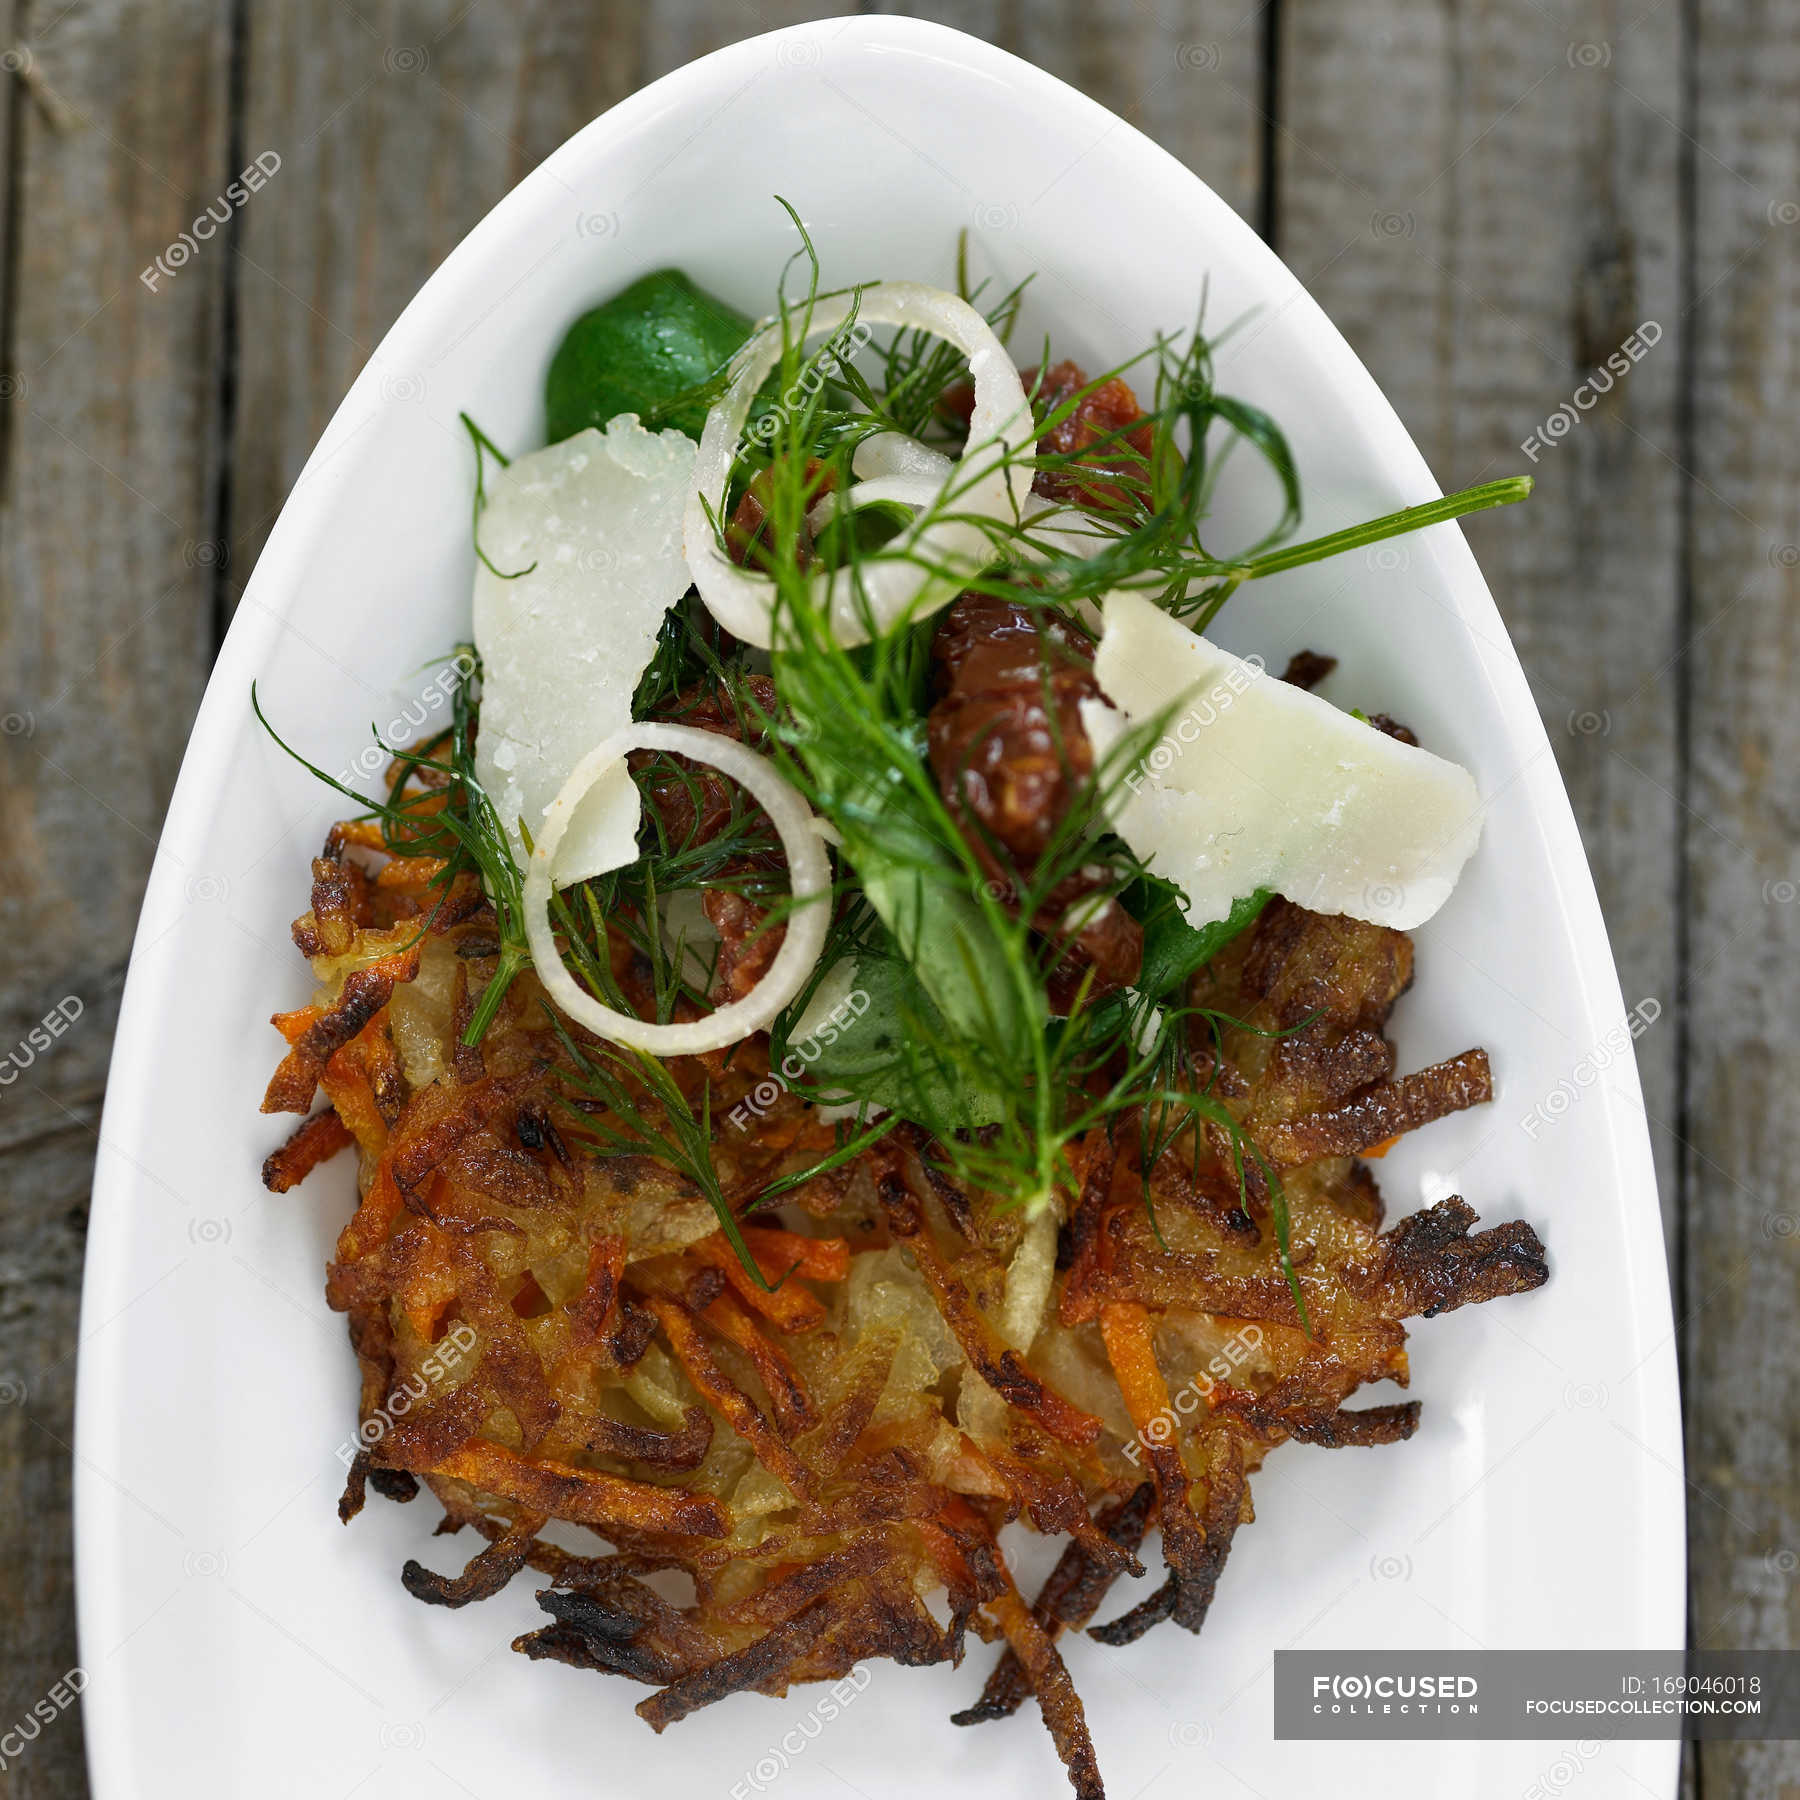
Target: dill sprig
column 694, row 661
column 850, row 1144
column 856, row 748
column 1136, row 520
column 485, row 447
column 975, row 1024
column 915, row 368
column 646, row 1113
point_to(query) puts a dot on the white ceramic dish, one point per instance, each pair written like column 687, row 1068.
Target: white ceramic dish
column 240, row 1641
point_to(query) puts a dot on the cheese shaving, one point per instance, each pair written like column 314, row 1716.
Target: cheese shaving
column 596, row 523
column 1254, row 783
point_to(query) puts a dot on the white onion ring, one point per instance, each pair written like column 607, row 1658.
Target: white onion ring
column 915, row 491
column 1062, row 530
column 894, row 453
column 809, row 877
column 892, row 586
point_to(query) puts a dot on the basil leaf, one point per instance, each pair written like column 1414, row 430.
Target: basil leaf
column 657, row 350
column 891, row 1047
column 1173, row 949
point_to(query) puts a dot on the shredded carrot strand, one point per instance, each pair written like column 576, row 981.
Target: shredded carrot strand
column 792, row 1407
column 791, row 1306
column 296, row 1024
column 777, row 1251
column 1131, row 1349
column 599, row 1289
column 430, row 1286
column 373, row 1220
column 736, row 1407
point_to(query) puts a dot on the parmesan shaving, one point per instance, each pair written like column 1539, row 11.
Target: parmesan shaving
column 1255, row 783
column 596, row 520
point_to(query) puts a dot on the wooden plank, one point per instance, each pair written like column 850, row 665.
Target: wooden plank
column 1520, row 174
column 677, row 31
column 1189, row 75
column 1485, row 200
column 111, row 453
column 397, row 129
column 1741, row 825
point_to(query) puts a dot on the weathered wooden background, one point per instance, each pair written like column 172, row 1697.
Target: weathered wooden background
column 1487, row 196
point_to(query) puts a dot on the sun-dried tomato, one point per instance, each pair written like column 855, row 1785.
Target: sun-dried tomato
column 1010, row 754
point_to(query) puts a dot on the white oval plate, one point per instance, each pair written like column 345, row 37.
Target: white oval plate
column 240, row 1641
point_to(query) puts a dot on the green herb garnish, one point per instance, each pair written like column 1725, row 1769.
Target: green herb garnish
column 652, row 350
column 647, row 1114
column 971, row 1031
column 456, row 824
